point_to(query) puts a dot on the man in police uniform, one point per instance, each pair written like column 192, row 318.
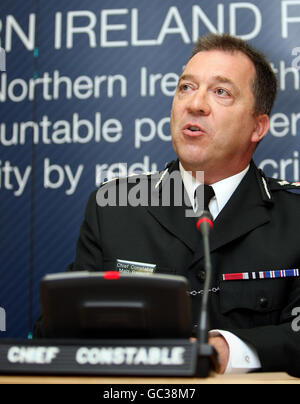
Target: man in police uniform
column 220, row 113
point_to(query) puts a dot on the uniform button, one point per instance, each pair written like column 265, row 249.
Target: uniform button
column 263, row 302
column 194, row 330
column 201, row 275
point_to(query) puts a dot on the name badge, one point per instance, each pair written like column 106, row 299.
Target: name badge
column 135, row 267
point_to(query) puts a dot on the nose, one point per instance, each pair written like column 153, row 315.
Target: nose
column 198, row 103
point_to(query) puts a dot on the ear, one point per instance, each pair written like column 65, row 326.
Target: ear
column 261, row 127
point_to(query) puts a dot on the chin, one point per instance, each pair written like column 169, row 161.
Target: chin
column 191, row 165
column 191, row 156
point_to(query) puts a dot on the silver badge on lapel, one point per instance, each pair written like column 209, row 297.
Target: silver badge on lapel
column 135, row 267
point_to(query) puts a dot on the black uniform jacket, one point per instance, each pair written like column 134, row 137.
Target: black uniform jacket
column 257, row 231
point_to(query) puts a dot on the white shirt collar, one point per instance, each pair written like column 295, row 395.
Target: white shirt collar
column 223, row 189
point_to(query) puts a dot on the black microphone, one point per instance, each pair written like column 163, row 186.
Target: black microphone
column 204, row 225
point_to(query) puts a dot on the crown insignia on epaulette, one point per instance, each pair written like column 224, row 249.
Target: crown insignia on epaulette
column 283, row 183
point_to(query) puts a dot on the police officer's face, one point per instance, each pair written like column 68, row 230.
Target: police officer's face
column 213, row 125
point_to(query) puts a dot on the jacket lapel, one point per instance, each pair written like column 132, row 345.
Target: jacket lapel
column 173, row 215
column 173, row 220
column 246, row 210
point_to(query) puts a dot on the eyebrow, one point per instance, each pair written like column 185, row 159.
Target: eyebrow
column 225, row 80
column 218, row 78
column 187, row 77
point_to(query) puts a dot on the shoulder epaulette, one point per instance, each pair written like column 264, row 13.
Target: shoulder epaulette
column 125, row 178
column 157, row 176
column 279, row 185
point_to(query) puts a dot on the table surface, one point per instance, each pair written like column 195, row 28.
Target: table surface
column 252, row 378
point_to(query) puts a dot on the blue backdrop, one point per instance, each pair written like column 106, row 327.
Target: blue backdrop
column 89, row 84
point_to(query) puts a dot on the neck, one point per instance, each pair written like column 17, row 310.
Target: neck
column 213, row 175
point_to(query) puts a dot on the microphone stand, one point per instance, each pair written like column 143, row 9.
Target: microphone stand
column 206, row 353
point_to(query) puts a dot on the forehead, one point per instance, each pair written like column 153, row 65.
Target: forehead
column 235, row 66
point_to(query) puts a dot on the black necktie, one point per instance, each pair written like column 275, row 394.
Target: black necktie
column 203, row 194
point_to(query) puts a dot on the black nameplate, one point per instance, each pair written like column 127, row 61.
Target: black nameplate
column 99, row 357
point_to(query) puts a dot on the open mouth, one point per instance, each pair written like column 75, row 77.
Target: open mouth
column 193, row 130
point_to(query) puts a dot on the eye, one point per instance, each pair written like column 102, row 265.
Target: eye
column 222, row 92
column 184, row 87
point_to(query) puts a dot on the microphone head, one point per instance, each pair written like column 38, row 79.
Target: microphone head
column 204, row 221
